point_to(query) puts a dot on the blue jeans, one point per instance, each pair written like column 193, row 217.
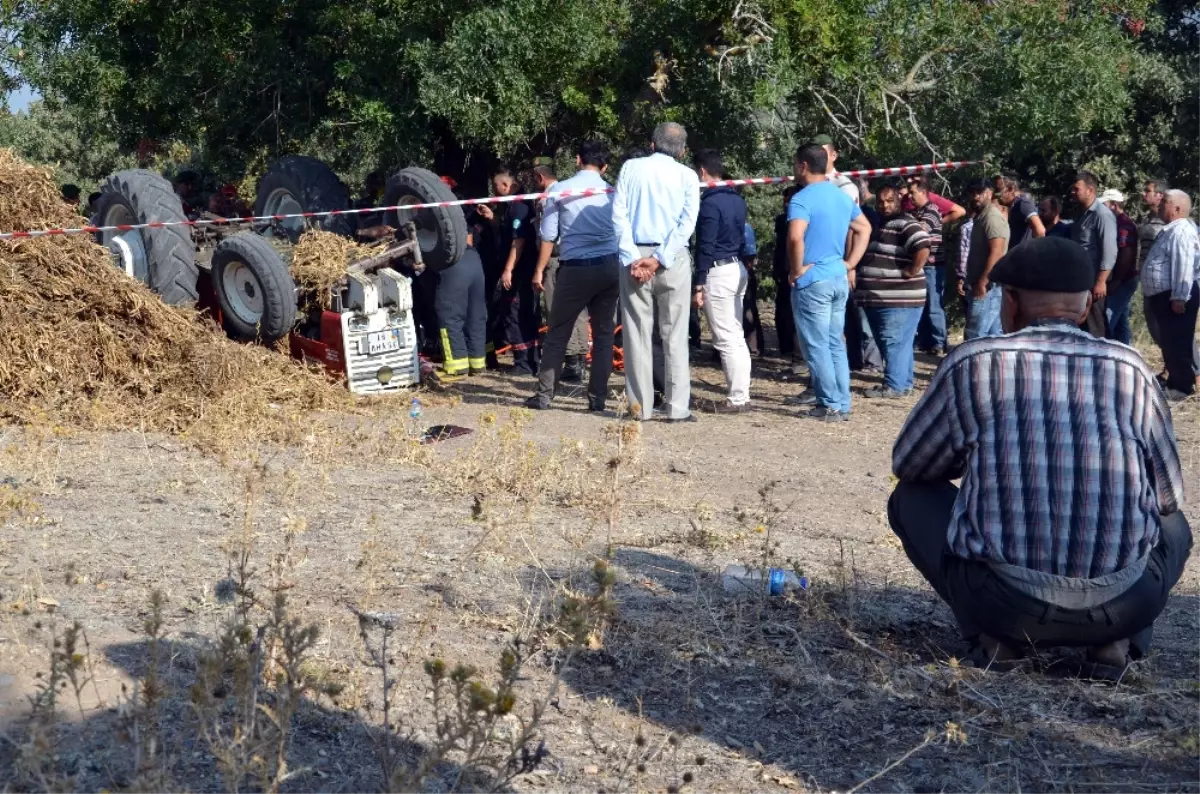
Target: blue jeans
column 895, row 330
column 820, row 313
column 931, row 333
column 983, row 319
column 1116, row 309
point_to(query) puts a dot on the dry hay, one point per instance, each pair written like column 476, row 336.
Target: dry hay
column 84, row 346
column 319, row 260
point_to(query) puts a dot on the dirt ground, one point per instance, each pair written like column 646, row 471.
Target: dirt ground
column 853, row 683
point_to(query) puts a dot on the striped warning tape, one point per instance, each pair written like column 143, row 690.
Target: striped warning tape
column 764, row 180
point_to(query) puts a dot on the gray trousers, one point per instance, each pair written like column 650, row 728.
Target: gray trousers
column 669, row 291
column 582, row 289
column 578, row 343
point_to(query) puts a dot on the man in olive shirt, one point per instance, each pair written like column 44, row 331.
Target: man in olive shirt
column 1096, row 231
column 989, row 242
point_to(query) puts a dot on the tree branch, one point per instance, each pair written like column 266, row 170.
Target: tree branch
column 910, row 84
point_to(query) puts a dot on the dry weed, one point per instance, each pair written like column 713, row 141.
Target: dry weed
column 319, row 261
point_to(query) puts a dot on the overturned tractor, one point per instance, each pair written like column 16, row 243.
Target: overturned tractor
column 363, row 331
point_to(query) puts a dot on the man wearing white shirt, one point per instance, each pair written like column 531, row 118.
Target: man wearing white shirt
column 654, row 214
column 1171, row 285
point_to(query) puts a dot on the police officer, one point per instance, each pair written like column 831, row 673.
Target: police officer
column 515, row 310
column 461, row 305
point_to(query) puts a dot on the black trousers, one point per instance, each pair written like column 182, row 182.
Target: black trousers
column 785, row 321
column 462, row 312
column 982, row 601
column 516, row 319
column 1175, row 334
column 751, row 322
column 424, row 291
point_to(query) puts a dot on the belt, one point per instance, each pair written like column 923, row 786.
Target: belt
column 590, row 261
column 648, row 245
column 733, row 260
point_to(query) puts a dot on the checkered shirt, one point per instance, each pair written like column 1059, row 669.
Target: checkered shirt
column 1173, row 264
column 1065, row 448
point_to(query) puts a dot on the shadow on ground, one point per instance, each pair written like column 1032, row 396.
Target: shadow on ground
column 331, row 749
column 834, row 685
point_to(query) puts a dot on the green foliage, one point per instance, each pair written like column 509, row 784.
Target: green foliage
column 78, row 149
column 1040, row 86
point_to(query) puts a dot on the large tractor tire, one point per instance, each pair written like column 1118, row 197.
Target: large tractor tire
column 163, row 259
column 298, row 184
column 441, row 231
column 254, row 289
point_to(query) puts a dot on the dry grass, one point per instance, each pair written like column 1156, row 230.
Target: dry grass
column 319, row 260
column 83, row 346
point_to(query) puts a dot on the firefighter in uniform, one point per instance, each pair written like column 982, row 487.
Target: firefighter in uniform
column 461, row 306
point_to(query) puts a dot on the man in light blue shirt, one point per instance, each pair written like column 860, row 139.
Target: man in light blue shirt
column 654, row 214
column 588, row 277
column 820, row 217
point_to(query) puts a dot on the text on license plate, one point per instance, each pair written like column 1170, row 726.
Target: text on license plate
column 382, row 342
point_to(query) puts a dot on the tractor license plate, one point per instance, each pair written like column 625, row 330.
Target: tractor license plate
column 382, row 342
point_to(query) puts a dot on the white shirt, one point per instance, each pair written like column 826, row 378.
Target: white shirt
column 656, row 203
column 845, row 184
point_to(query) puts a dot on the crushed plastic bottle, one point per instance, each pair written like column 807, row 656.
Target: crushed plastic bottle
column 414, row 411
column 772, row 581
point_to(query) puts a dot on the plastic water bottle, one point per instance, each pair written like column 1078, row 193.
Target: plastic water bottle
column 415, row 431
column 772, row 581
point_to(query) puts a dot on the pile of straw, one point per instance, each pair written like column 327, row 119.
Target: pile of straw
column 319, row 260
column 83, row 345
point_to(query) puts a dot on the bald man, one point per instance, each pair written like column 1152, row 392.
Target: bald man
column 1171, row 286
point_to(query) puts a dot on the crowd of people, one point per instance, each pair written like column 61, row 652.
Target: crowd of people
column 865, row 298
column 1065, row 527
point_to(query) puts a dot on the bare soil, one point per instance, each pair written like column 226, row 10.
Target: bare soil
column 824, row 690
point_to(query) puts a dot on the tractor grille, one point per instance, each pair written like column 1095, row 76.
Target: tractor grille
column 362, row 370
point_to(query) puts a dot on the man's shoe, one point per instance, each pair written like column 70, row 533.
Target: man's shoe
column 595, row 407
column 1107, row 662
column 884, row 393
column 806, row 397
column 689, row 418
column 726, row 407
column 537, row 403
column 572, row 371
column 990, row 653
column 824, row 414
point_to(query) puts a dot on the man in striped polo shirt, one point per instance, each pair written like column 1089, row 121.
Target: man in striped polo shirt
column 1066, row 528
column 891, row 289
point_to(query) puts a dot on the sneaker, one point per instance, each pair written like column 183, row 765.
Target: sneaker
column 537, row 403
column 825, row 414
column 884, row 393
column 726, row 407
column 806, row 397
column 689, row 418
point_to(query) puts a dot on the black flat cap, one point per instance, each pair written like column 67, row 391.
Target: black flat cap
column 1046, row 264
column 822, row 140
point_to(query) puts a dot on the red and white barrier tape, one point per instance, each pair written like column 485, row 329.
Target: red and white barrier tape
column 764, row 180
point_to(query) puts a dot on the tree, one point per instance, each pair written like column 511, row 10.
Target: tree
column 1043, row 86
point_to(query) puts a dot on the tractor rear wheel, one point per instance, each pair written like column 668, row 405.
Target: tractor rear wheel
column 163, row 259
column 441, row 231
column 299, row 184
column 254, row 289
